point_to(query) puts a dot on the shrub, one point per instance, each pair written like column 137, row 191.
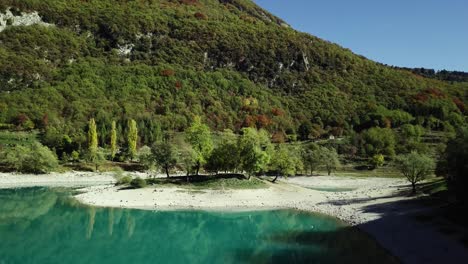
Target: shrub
column 124, row 180
column 138, row 183
column 377, row 160
column 35, row 158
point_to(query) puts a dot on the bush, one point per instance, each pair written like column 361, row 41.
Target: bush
column 124, row 180
column 138, row 183
column 377, row 160
column 35, row 158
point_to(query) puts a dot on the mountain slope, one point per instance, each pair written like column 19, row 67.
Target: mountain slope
column 162, row 61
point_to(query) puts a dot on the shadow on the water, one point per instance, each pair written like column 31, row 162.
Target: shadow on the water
column 346, row 245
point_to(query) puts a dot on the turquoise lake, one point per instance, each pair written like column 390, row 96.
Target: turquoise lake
column 40, row 225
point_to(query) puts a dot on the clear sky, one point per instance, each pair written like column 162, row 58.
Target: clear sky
column 410, row 33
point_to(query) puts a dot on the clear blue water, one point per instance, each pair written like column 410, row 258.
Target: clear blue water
column 39, row 225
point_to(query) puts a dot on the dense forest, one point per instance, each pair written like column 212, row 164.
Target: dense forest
column 163, row 62
column 444, row 75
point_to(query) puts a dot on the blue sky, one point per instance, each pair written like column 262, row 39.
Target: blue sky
column 410, row 33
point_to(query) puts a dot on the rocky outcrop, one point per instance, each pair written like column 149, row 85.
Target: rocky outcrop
column 8, row 19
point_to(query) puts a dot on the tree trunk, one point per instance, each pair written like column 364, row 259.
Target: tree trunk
column 198, row 168
column 413, row 186
column 276, row 177
column 329, row 172
column 167, row 171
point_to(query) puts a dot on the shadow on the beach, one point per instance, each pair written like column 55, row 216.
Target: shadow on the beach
column 402, row 192
column 413, row 241
column 395, row 237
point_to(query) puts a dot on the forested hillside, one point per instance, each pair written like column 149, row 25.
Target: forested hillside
column 161, row 62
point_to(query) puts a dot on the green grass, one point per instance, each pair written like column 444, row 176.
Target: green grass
column 210, row 182
column 233, row 183
column 434, row 186
column 386, row 172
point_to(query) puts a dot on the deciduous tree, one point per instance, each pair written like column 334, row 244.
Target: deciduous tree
column 415, row 167
column 132, row 139
column 198, row 135
column 282, row 162
column 164, row 156
column 113, row 140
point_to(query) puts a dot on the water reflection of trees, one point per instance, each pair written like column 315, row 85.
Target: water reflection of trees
column 91, row 221
column 22, row 207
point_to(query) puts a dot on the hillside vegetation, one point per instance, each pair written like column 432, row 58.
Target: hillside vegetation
column 161, row 62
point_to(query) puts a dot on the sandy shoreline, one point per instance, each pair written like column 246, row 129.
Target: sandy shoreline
column 68, row 179
column 292, row 193
column 304, row 193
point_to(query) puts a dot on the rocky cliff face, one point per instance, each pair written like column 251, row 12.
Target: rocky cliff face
column 8, row 18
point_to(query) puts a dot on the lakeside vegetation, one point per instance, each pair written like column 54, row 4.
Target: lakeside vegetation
column 250, row 153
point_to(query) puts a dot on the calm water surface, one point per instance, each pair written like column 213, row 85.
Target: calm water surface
column 40, row 225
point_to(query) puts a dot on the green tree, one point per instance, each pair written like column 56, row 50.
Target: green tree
column 410, row 139
column 254, row 149
column 34, row 158
column 145, row 156
column 96, row 158
column 330, row 159
column 164, row 156
column 457, row 164
column 132, row 139
column 304, row 130
column 282, row 162
column 311, row 155
column 225, row 156
column 187, row 158
column 415, row 167
column 92, row 136
column 198, row 135
column 377, row 161
column 379, row 141
column 113, row 140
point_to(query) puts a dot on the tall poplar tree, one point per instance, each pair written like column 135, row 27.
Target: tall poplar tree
column 113, row 140
column 92, row 137
column 132, row 139
column 94, row 155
